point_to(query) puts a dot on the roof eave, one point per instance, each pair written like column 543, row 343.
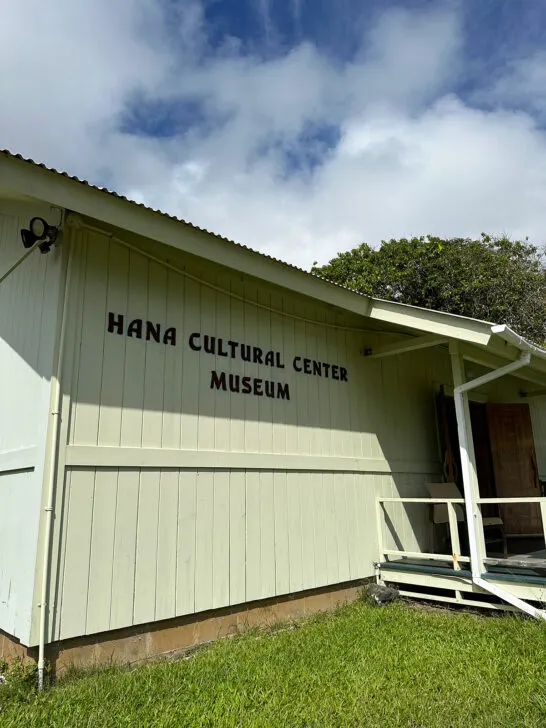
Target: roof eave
column 28, row 179
column 432, row 322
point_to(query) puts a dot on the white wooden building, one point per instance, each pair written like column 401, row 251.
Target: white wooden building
column 193, row 434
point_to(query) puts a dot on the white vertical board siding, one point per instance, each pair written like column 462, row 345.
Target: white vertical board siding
column 130, row 392
column 28, row 310
column 28, row 316
column 127, row 391
column 147, row 541
column 16, row 564
column 147, row 550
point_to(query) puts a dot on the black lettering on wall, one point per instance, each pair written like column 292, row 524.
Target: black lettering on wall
column 115, row 323
column 218, row 381
column 139, row 328
column 169, row 337
column 135, row 329
column 194, row 338
column 221, row 351
column 153, row 331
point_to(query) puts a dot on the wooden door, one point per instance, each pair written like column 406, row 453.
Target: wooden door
column 514, row 465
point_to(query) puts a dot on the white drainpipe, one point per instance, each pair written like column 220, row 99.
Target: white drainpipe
column 49, row 474
column 467, row 467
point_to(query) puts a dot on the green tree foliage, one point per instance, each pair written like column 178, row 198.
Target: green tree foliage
column 492, row 279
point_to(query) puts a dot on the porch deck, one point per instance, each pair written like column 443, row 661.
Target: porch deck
column 447, row 577
column 532, row 565
column 439, row 581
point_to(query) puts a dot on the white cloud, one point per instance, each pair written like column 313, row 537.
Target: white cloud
column 523, row 84
column 66, row 68
column 411, row 159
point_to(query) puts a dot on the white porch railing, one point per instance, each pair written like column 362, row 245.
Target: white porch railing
column 455, row 555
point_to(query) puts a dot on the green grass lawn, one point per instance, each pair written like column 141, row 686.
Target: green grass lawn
column 361, row 666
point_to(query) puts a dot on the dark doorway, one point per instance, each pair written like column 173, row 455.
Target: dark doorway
column 449, row 439
column 505, row 458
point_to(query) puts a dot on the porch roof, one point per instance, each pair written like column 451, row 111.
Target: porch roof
column 480, row 342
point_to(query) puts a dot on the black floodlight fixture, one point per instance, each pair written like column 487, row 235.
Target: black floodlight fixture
column 39, row 229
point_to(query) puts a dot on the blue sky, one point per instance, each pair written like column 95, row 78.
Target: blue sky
column 494, row 30
column 494, row 34
column 300, row 127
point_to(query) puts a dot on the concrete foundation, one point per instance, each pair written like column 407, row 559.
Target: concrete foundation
column 158, row 639
column 11, row 648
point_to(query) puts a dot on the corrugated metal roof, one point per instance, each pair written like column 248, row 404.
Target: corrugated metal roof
column 502, row 331
column 106, row 191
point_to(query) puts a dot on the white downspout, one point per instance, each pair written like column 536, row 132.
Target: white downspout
column 467, row 467
column 52, row 446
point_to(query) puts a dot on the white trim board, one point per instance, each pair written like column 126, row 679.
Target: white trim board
column 15, row 460
column 131, row 457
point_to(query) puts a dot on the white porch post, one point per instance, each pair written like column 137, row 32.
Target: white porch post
column 468, row 465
